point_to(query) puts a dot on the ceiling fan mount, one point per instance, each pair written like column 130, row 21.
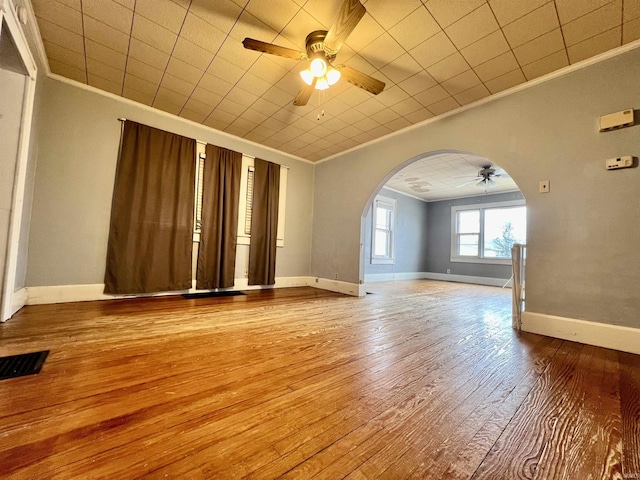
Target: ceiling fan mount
column 487, row 172
column 321, row 48
column 315, row 44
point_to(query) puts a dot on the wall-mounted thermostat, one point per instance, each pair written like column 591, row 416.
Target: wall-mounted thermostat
column 613, row 121
column 620, row 162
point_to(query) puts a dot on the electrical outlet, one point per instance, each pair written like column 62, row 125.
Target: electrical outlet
column 336, row 276
column 545, row 186
column 448, row 270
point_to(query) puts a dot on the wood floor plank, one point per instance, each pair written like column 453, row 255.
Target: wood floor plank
column 518, row 450
column 316, row 438
column 383, row 389
column 422, row 379
column 422, row 417
column 473, row 450
column 135, row 403
column 549, row 435
column 468, row 417
column 585, row 427
column 630, row 411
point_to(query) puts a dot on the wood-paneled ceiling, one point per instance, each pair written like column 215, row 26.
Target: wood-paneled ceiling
column 186, row 57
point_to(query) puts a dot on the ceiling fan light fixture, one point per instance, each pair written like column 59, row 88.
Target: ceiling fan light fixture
column 318, row 67
column 333, row 76
column 307, row 76
column 322, row 83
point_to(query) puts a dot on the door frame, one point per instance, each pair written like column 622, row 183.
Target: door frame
column 11, row 303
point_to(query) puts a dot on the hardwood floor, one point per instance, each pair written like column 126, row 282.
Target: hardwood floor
column 421, row 379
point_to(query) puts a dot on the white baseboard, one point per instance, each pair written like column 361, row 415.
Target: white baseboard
column 66, row 293
column 18, row 300
column 625, row 339
column 347, row 288
column 90, row 292
column 448, row 277
column 385, row 277
column 281, row 282
column 445, row 277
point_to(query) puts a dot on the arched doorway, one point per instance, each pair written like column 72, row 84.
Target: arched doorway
column 445, row 215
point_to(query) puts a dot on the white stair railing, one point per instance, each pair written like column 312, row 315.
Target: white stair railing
column 518, row 262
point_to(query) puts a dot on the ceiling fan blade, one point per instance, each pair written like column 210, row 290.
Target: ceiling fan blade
column 361, row 80
column 305, row 94
column 501, row 173
column 270, row 48
column 465, row 184
column 350, row 15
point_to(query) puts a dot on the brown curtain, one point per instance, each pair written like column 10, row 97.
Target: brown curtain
column 264, row 223
column 151, row 234
column 219, row 235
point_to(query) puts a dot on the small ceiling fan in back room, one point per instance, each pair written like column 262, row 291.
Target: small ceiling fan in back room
column 322, row 47
column 485, row 177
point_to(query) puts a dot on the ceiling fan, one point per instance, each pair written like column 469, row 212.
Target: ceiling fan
column 486, row 175
column 322, row 47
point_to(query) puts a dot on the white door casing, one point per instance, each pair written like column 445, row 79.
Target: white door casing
column 9, row 21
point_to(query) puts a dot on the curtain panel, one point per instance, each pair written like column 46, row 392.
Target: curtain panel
column 264, row 223
column 220, row 203
column 151, row 232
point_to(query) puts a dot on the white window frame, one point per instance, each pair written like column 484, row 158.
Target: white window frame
column 244, row 238
column 390, row 204
column 247, row 165
column 197, row 206
column 454, row 234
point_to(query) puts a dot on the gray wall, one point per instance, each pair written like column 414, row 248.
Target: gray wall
column 25, row 226
column 439, row 238
column 583, row 236
column 410, row 236
column 77, row 156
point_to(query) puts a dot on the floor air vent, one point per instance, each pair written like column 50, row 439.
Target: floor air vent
column 20, row 365
column 230, row 293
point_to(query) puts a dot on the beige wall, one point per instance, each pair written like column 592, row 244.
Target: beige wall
column 583, row 236
column 78, row 141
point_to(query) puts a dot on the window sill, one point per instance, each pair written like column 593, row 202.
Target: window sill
column 383, row 261
column 487, row 261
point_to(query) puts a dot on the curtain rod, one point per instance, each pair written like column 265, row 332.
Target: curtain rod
column 122, row 119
